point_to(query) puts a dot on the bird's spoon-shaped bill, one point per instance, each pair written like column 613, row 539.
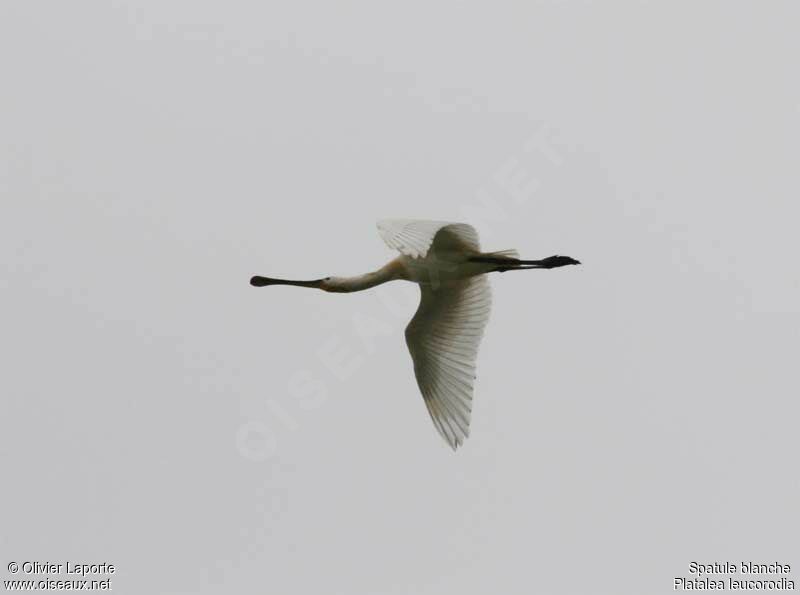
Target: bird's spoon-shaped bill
column 258, row 281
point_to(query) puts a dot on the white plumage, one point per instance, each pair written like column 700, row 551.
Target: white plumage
column 443, row 337
column 413, row 238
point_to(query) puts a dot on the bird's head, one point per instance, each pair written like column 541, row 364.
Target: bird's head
column 333, row 285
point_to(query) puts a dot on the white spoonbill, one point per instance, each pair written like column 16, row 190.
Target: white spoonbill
column 443, row 336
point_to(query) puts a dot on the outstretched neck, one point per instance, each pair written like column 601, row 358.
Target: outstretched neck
column 390, row 272
column 393, row 270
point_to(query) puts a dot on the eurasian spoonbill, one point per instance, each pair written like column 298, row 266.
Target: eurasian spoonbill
column 443, row 336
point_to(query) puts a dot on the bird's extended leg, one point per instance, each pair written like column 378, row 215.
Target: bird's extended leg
column 515, row 264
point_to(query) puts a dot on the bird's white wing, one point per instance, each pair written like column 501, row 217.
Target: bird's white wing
column 443, row 339
column 413, row 237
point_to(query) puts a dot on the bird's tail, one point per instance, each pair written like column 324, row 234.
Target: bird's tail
column 497, row 257
column 502, row 258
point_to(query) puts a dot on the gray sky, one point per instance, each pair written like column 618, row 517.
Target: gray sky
column 631, row 415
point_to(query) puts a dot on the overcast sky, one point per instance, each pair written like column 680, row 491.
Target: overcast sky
column 630, row 416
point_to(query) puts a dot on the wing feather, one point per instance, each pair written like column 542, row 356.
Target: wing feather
column 413, row 237
column 443, row 339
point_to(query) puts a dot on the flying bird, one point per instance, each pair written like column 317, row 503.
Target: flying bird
column 446, row 261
